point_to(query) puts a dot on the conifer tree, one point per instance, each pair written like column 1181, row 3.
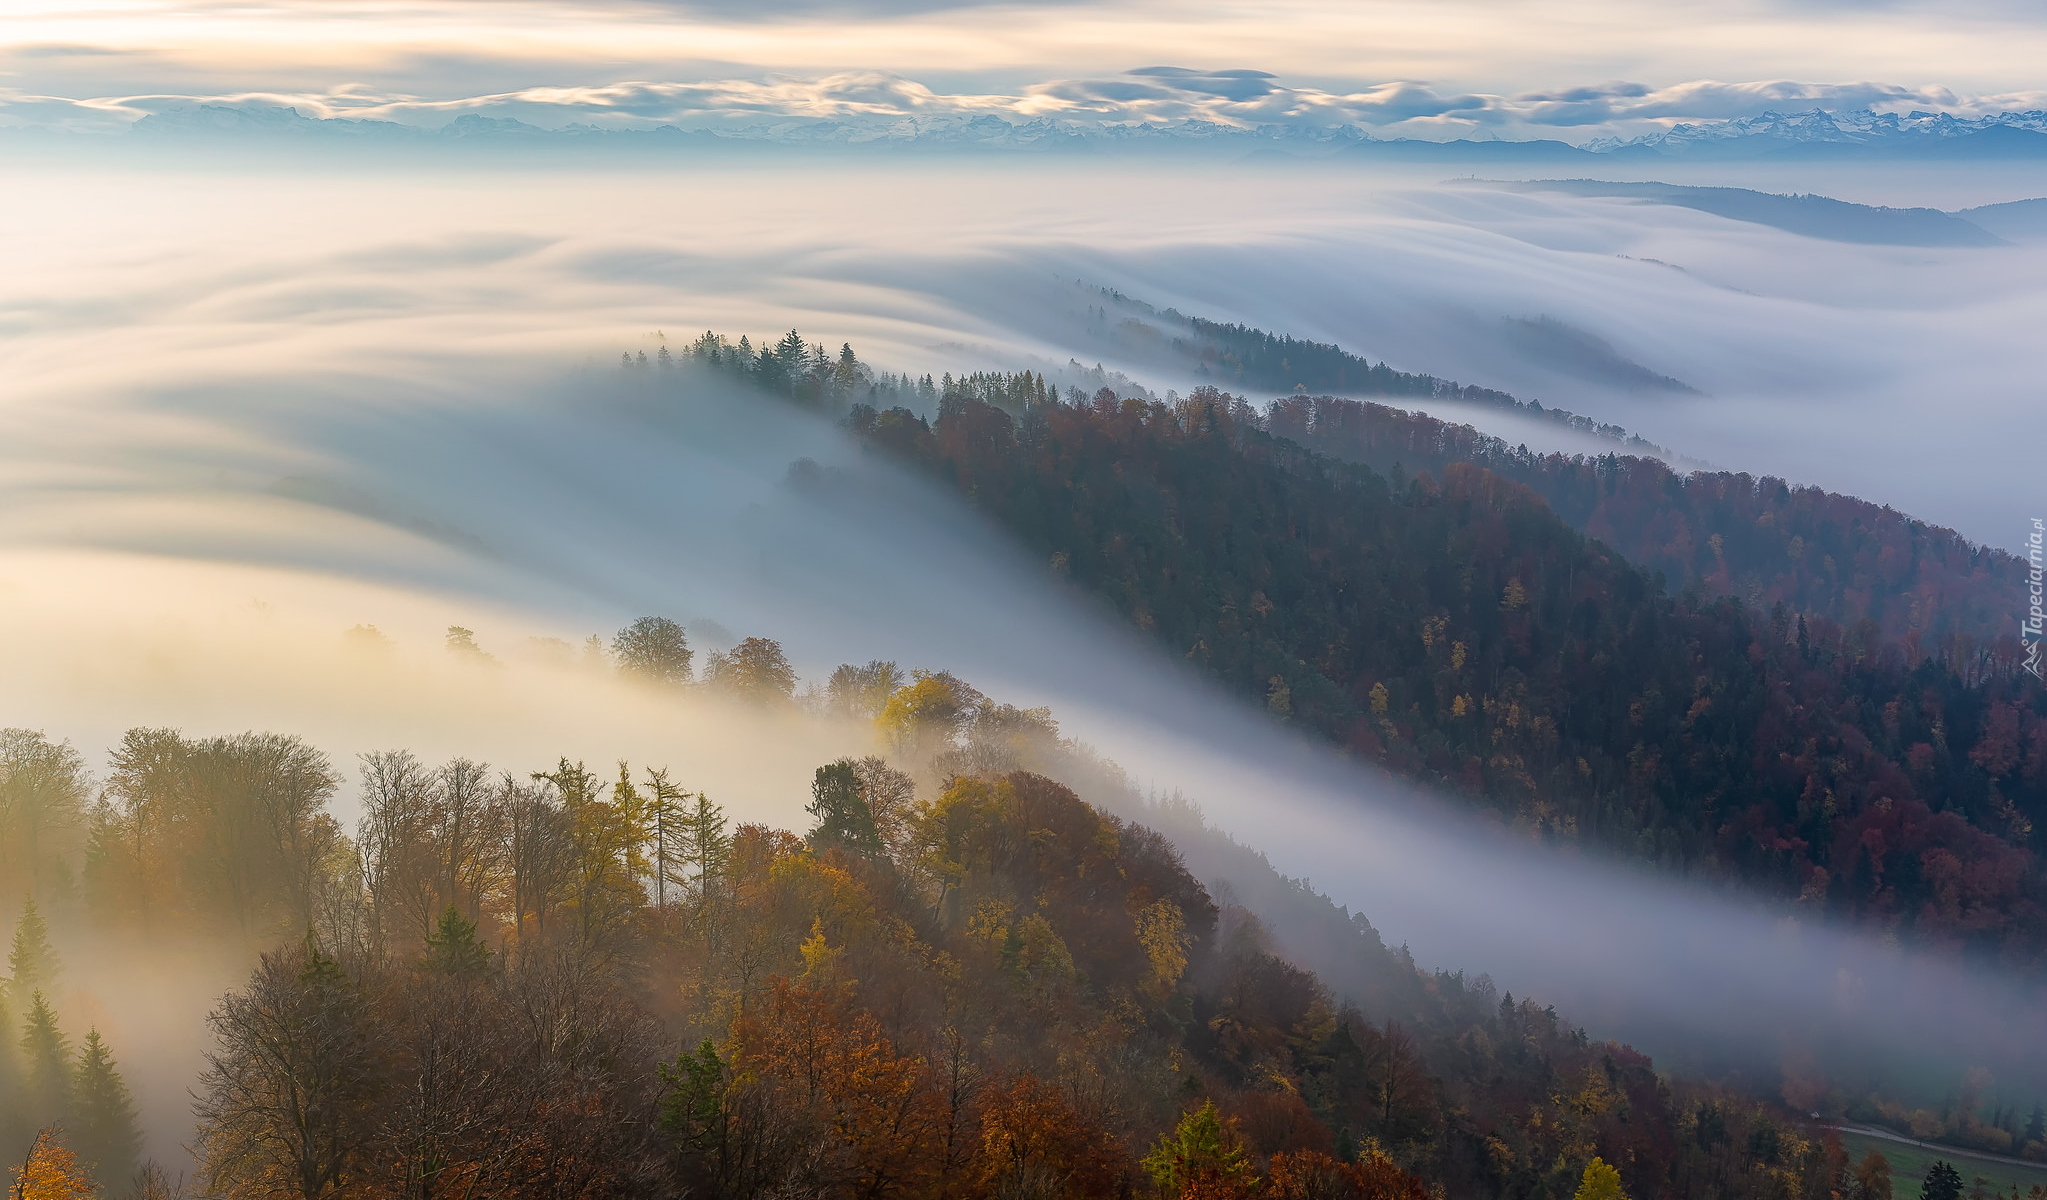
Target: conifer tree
column 1942, row 1182
column 16, row 1125
column 31, row 962
column 47, row 1058
column 1203, row 1151
column 843, row 818
column 102, row 1125
column 453, row 948
column 706, row 847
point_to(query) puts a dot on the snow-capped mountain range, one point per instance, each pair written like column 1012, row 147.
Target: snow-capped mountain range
column 1860, row 132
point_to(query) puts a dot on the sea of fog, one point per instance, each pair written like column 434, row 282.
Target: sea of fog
column 246, row 408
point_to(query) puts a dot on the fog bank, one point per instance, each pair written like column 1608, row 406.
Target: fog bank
column 246, row 414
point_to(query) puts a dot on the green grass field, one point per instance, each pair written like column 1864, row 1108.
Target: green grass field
column 1910, row 1163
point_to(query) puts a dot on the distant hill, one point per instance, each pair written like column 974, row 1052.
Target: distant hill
column 2018, row 221
column 1807, row 215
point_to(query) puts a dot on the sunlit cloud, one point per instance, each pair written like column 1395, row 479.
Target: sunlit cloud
column 442, row 50
column 884, row 103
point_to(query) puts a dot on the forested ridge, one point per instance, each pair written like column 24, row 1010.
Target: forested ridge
column 1453, row 627
column 1236, row 355
column 1719, row 532
column 961, row 980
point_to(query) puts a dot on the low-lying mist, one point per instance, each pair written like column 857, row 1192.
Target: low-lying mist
column 1868, row 369
column 246, row 416
column 213, row 585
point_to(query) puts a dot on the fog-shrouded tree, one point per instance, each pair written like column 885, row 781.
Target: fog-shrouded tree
column 688, row 847
column 395, row 839
column 862, row 692
column 608, row 834
column 102, row 1126
column 284, row 1105
column 43, row 792
column 889, row 795
column 837, row 801
column 462, row 644
column 755, row 670
column 540, row 855
column 223, row 831
column 653, row 650
column 46, row 1057
column 32, row 963
column 924, row 716
column 17, row 1124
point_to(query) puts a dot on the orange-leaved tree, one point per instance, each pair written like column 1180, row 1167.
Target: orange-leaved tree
column 875, row 1117
column 1035, row 1143
column 50, row 1172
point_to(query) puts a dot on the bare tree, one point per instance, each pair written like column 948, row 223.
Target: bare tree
column 43, row 786
column 284, row 1105
column 540, row 856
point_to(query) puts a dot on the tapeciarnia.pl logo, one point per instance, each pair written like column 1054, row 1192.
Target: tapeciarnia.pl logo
column 2031, row 629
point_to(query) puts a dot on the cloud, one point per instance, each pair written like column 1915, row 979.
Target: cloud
column 874, row 103
column 780, row 10
column 1707, row 99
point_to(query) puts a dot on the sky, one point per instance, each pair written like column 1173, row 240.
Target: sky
column 1425, row 68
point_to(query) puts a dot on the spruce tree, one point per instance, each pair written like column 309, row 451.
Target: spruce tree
column 1942, row 1182
column 103, row 1127
column 843, row 818
column 453, row 948
column 31, row 962
column 47, row 1059
column 16, row 1125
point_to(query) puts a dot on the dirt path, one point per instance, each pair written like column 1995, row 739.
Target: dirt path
column 1986, row 1156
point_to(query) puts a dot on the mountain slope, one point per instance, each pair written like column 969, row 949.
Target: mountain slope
column 1459, row 631
column 1722, row 533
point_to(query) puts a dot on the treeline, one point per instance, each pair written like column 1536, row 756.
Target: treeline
column 1456, row 629
column 565, row 984
column 1723, row 533
column 806, row 372
column 1237, row 355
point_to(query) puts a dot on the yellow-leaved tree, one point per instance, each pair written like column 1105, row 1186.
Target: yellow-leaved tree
column 1601, row 1182
column 51, row 1172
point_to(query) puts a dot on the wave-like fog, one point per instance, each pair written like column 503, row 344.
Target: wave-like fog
column 245, row 416
column 1894, row 372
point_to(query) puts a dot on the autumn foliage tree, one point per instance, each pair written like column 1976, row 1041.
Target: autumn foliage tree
column 51, row 1172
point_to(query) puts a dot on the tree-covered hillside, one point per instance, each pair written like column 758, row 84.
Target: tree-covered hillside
column 1720, row 532
column 1455, row 628
column 562, row 984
